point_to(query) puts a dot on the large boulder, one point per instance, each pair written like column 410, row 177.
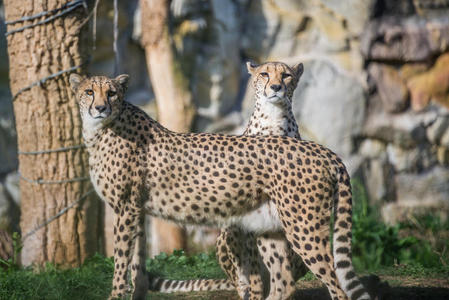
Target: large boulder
column 405, row 130
column 427, row 192
column 378, row 178
column 414, row 160
column 431, row 85
column 437, row 131
column 330, row 107
column 391, row 87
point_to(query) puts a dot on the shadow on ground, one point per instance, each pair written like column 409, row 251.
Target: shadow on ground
column 393, row 293
column 402, row 288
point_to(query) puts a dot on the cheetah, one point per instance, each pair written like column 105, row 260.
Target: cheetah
column 139, row 167
column 274, row 84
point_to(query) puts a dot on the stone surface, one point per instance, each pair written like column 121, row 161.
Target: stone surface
column 437, row 129
column 371, row 148
column 285, row 28
column 394, row 212
column 408, row 39
column 404, row 130
column 378, row 176
column 443, row 155
column 395, row 8
column 266, row 23
column 423, row 193
column 329, row 106
column 431, row 85
column 444, row 141
column 355, row 13
column 390, row 86
column 429, row 188
column 413, row 160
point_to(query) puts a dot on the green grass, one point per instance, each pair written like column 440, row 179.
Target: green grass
column 377, row 245
column 180, row 266
column 414, row 270
column 91, row 281
column 308, row 277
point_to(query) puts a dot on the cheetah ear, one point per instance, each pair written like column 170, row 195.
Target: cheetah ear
column 298, row 69
column 75, row 81
column 123, row 81
column 251, row 67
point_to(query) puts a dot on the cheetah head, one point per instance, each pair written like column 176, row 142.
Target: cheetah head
column 275, row 82
column 99, row 98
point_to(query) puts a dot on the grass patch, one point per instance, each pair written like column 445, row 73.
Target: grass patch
column 308, row 277
column 179, row 266
column 91, row 281
column 378, row 245
column 414, row 270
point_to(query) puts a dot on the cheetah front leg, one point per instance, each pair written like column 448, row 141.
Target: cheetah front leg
column 139, row 276
column 240, row 262
column 125, row 236
column 283, row 264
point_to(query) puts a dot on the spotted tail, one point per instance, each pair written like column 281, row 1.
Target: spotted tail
column 342, row 238
column 195, row 285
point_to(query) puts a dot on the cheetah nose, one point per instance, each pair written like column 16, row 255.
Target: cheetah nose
column 275, row 87
column 100, row 108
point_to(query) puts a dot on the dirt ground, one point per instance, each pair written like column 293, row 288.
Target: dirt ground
column 386, row 288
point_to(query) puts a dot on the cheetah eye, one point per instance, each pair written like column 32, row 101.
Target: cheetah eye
column 89, row 92
column 264, row 74
column 286, row 75
column 112, row 93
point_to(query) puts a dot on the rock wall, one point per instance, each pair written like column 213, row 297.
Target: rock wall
column 406, row 56
column 375, row 87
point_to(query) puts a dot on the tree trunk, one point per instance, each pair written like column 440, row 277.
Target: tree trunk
column 173, row 97
column 47, row 118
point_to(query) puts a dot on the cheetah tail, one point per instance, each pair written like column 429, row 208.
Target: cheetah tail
column 342, row 238
column 161, row 285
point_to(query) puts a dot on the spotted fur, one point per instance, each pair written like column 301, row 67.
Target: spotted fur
column 139, row 167
column 240, row 252
column 274, row 84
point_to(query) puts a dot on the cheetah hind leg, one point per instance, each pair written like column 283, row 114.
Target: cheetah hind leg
column 238, row 257
column 309, row 238
column 284, row 266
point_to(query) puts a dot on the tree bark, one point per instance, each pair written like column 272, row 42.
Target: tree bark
column 174, row 99
column 47, row 117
